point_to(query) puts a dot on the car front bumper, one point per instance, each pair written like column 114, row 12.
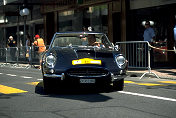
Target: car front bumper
column 109, row 78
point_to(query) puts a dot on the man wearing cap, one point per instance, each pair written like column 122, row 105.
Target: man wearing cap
column 11, row 42
column 149, row 34
column 39, row 42
column 11, row 45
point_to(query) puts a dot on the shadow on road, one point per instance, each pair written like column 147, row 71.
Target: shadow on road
column 92, row 94
column 8, row 96
column 171, row 87
column 167, row 72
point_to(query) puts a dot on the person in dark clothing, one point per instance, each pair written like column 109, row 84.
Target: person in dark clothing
column 28, row 47
column 11, row 45
column 149, row 35
column 11, row 42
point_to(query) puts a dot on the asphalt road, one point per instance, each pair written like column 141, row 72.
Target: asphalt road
column 22, row 96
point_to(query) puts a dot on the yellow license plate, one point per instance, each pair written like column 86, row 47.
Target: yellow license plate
column 86, row 61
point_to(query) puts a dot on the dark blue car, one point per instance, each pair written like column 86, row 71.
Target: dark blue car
column 84, row 59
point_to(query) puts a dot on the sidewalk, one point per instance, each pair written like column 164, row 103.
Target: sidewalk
column 163, row 73
column 20, row 65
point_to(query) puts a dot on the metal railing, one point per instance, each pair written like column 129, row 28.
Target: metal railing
column 16, row 56
column 138, row 54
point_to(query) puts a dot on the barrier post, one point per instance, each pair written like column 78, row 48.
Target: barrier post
column 6, row 55
column 17, row 52
column 30, row 56
column 149, row 66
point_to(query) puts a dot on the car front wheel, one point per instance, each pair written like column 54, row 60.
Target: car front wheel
column 46, row 85
column 118, row 85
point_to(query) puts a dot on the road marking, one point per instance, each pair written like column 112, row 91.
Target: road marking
column 1, row 73
column 26, row 77
column 40, row 79
column 144, row 84
column 10, row 90
column 33, row 83
column 148, row 96
column 149, row 84
column 129, row 82
column 11, row 75
column 168, row 82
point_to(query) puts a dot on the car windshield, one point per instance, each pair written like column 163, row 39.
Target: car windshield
column 81, row 39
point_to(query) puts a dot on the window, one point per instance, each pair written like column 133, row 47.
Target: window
column 94, row 16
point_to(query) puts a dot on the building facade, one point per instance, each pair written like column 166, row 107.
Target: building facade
column 121, row 20
column 73, row 15
column 12, row 24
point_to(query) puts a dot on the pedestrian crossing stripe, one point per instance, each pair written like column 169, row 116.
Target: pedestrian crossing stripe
column 10, row 90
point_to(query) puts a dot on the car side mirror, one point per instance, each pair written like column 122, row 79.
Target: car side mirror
column 116, row 47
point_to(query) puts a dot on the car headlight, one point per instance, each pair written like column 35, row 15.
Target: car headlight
column 121, row 61
column 51, row 61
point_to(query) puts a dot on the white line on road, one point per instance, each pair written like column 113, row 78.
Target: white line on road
column 40, row 79
column 26, row 77
column 11, row 75
column 148, row 96
column 1, row 73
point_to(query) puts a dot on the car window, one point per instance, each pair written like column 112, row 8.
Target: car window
column 63, row 40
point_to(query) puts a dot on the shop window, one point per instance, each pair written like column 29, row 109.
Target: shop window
column 74, row 20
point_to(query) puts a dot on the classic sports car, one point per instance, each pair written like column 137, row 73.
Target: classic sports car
column 83, row 58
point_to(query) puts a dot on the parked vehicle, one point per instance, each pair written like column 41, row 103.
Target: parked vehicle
column 84, row 59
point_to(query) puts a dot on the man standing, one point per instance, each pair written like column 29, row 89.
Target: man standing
column 28, row 47
column 39, row 42
column 11, row 42
column 149, row 34
column 11, row 45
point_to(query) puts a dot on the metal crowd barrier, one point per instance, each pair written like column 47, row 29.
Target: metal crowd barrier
column 138, row 55
column 136, row 52
column 14, row 56
column 3, row 56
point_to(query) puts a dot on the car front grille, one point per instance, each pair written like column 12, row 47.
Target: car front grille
column 87, row 72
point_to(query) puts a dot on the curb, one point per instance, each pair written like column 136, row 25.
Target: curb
column 139, row 74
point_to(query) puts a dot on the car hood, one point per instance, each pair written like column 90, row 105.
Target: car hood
column 66, row 55
column 80, row 52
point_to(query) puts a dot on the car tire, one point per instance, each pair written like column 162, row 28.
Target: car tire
column 118, row 85
column 47, row 85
